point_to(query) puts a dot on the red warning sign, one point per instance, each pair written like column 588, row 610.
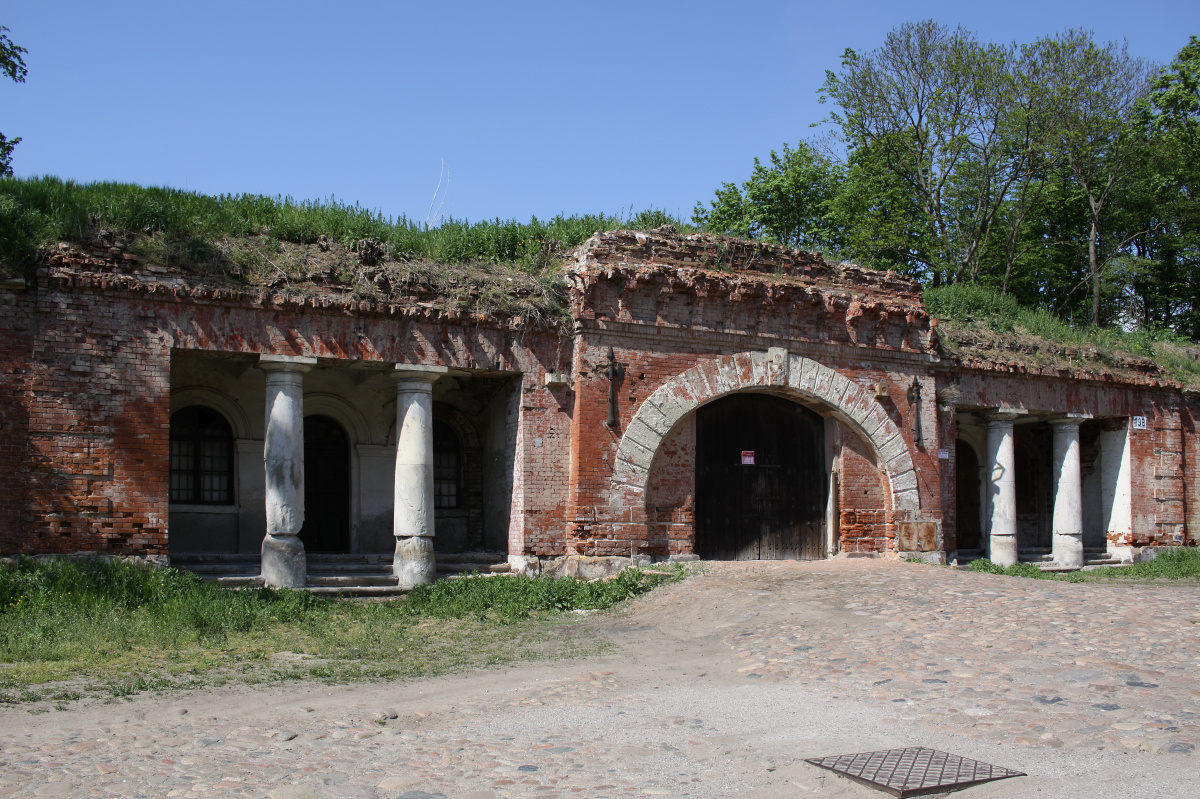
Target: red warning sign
column 747, row 457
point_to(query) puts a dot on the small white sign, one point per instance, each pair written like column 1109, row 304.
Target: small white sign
column 1139, row 423
column 943, row 454
column 747, row 457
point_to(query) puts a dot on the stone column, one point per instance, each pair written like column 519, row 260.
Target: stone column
column 1068, row 493
column 1002, row 489
column 412, row 523
column 283, row 561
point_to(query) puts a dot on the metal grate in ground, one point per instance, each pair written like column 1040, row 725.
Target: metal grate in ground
column 914, row 771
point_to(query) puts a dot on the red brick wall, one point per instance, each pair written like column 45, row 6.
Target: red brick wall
column 16, row 358
column 866, row 522
column 95, row 405
column 671, row 492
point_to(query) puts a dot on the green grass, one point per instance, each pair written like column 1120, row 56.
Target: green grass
column 115, row 628
column 37, row 212
column 1172, row 563
column 968, row 306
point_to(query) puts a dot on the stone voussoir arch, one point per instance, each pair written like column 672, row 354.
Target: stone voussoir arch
column 774, row 369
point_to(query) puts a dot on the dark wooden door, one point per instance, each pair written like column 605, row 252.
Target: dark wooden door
column 760, row 480
column 326, row 486
column 966, row 492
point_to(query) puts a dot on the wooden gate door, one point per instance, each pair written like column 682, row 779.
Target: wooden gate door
column 760, row 480
column 326, row 486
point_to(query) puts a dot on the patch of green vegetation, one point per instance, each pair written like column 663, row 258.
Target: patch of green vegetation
column 1042, row 338
column 509, row 598
column 189, row 227
column 124, row 628
column 1171, row 563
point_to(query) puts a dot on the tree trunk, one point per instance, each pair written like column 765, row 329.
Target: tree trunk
column 1095, row 267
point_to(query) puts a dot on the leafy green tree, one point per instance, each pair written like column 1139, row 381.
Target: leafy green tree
column 1097, row 92
column 878, row 219
column 12, row 65
column 933, row 105
column 785, row 201
column 1161, row 208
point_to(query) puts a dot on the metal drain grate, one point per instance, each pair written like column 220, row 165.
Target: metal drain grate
column 914, row 771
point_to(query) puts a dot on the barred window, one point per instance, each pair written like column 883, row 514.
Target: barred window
column 447, row 466
column 201, row 457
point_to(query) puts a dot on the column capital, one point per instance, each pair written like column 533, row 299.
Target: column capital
column 1069, row 419
column 429, row 374
column 1004, row 415
column 286, row 363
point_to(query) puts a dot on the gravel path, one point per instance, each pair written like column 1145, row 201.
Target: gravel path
column 719, row 686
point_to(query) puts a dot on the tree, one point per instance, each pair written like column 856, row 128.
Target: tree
column 1162, row 206
column 786, row 201
column 1097, row 92
column 12, row 65
column 934, row 107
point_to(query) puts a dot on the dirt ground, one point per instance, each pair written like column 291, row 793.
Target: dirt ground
column 715, row 687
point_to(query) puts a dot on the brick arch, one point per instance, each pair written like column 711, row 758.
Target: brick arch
column 784, row 373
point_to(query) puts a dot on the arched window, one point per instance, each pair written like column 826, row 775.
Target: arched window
column 447, row 466
column 201, row 457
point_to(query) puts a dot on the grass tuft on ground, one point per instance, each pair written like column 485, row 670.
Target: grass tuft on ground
column 110, row 627
column 1171, row 563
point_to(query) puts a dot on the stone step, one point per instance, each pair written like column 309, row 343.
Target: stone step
column 243, row 581
column 357, row 590
column 350, row 580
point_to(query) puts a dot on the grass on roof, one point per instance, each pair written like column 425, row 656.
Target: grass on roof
column 982, row 322
column 240, row 238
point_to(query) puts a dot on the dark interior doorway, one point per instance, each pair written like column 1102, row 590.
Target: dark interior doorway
column 966, row 492
column 326, row 486
column 760, row 480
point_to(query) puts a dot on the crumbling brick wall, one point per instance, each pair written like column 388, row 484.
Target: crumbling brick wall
column 95, row 407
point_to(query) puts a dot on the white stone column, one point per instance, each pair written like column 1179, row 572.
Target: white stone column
column 412, row 524
column 1002, row 489
column 1068, row 493
column 283, row 561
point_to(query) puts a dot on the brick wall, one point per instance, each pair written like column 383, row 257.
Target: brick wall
column 85, row 360
column 94, row 402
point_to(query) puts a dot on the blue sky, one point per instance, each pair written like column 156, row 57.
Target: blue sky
column 537, row 108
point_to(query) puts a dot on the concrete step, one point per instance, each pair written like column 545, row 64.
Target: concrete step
column 348, row 575
column 243, row 581
column 357, row 590
column 350, row 580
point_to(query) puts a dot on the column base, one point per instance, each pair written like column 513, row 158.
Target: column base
column 1068, row 551
column 284, row 564
column 414, row 562
column 1004, row 550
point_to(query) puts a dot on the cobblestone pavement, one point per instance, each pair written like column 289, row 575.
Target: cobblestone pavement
column 719, row 686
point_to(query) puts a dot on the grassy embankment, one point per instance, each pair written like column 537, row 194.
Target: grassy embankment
column 503, row 268
column 1182, row 563
column 506, row 268
column 983, row 323
column 72, row 627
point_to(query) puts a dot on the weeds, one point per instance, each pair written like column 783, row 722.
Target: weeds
column 190, row 227
column 133, row 628
column 517, row 597
column 1039, row 337
column 1171, row 563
